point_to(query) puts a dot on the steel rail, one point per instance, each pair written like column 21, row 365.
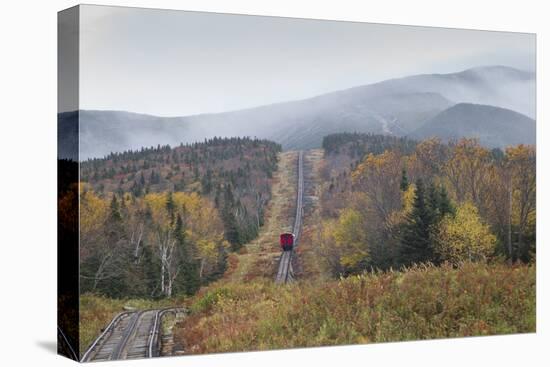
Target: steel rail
column 155, row 340
column 154, row 332
column 101, row 336
column 119, row 349
column 131, row 335
column 284, row 273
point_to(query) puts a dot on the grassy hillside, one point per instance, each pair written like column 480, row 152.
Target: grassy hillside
column 420, row 303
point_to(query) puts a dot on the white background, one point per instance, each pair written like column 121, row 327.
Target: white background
column 28, row 182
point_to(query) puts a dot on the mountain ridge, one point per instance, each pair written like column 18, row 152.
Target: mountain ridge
column 398, row 106
column 480, row 121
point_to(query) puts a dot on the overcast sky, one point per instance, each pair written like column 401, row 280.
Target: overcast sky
column 173, row 63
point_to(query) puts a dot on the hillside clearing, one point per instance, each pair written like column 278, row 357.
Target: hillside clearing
column 258, row 258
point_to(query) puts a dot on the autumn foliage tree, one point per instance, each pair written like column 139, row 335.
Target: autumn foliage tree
column 196, row 237
column 464, row 237
column 379, row 177
column 159, row 221
column 426, row 201
column 158, row 245
column 344, row 242
column 242, row 165
column 521, row 162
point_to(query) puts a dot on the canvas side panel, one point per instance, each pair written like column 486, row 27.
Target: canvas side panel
column 67, row 183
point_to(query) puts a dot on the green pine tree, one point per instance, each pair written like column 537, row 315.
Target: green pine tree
column 188, row 280
column 404, row 185
column 416, row 241
column 433, row 200
column 170, row 207
column 114, row 214
column 445, row 205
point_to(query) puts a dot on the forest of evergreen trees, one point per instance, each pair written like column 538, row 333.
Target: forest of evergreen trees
column 357, row 145
column 160, row 221
column 234, row 173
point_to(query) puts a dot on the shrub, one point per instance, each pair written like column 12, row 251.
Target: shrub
column 422, row 302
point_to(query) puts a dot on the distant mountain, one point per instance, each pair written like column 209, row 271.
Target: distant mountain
column 394, row 107
column 499, row 86
column 295, row 125
column 103, row 132
column 493, row 126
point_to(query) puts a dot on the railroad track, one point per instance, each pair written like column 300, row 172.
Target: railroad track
column 132, row 334
column 285, row 272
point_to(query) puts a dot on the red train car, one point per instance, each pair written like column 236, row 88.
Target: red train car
column 287, row 241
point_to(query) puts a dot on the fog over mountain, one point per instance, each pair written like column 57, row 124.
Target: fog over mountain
column 397, row 106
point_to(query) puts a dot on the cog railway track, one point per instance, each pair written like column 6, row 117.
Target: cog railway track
column 130, row 335
column 285, row 272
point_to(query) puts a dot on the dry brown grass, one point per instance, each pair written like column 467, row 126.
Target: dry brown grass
column 424, row 302
column 308, row 261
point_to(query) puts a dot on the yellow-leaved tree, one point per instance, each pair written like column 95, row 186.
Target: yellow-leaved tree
column 378, row 177
column 464, row 237
column 343, row 242
column 351, row 237
column 200, row 230
column 93, row 214
column 97, row 252
column 466, row 172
